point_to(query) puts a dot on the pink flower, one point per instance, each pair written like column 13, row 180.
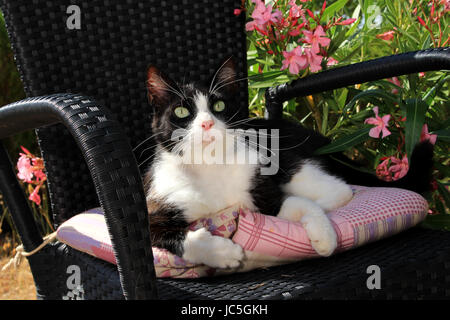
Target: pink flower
column 295, row 60
column 397, row 82
column 26, row 151
column 424, row 135
column 263, row 16
column 381, row 124
column 295, row 11
column 316, row 38
column 346, row 22
column 331, row 61
column 382, row 170
column 295, row 30
column 421, row 21
column 400, row 167
column 313, row 60
column 25, row 168
column 34, row 196
column 237, row 12
column 446, row 4
column 40, row 175
column 388, row 36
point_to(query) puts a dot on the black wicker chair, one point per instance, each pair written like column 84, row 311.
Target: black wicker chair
column 86, row 145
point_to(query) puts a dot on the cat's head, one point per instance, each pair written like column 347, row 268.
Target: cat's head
column 193, row 115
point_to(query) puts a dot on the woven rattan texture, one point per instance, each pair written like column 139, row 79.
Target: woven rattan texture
column 117, row 180
column 107, row 59
column 97, row 279
column 414, row 265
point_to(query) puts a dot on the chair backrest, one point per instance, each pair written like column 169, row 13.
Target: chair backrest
column 107, row 59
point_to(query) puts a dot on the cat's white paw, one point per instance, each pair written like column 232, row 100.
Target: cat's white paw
column 202, row 247
column 321, row 234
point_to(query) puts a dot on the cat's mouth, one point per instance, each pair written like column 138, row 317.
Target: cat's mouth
column 208, row 139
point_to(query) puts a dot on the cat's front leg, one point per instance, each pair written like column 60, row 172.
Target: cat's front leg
column 170, row 231
column 312, row 217
column 202, row 247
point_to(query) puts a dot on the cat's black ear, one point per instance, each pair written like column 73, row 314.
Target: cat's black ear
column 225, row 76
column 159, row 86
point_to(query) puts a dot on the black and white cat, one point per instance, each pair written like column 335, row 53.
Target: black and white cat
column 182, row 187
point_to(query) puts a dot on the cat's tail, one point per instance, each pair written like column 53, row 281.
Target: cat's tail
column 417, row 179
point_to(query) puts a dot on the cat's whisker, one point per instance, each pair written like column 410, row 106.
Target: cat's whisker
column 175, row 90
column 259, row 133
column 228, row 83
column 215, row 74
column 180, row 95
column 145, row 140
column 221, row 82
column 177, row 126
column 259, row 146
column 154, row 154
column 239, row 122
column 297, row 145
column 236, row 113
column 172, row 89
column 152, row 146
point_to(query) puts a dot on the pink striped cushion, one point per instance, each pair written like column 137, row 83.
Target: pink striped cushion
column 372, row 214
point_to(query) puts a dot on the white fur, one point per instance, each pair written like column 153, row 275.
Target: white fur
column 318, row 227
column 201, row 189
column 202, row 247
column 312, row 191
column 313, row 183
column 201, row 102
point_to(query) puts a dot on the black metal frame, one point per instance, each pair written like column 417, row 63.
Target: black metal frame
column 372, row 70
column 112, row 166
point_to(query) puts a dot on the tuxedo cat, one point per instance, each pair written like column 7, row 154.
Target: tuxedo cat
column 182, row 186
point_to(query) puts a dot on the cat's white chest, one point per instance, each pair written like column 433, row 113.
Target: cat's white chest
column 202, row 189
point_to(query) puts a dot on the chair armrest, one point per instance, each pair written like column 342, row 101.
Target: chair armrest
column 371, row 70
column 114, row 172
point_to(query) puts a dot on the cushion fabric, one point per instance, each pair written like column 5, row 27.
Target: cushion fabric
column 372, row 214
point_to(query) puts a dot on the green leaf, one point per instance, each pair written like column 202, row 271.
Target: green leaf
column 444, row 193
column 438, row 221
column 360, row 169
column 431, row 94
column 342, row 98
column 445, row 170
column 443, row 134
column 332, row 9
column 445, row 124
column 265, row 76
column 346, row 142
column 336, row 41
column 415, row 118
column 376, row 93
column 352, row 29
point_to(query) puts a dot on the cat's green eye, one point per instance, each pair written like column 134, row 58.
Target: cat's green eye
column 219, row 106
column 181, row 112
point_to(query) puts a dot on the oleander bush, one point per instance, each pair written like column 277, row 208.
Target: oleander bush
column 377, row 123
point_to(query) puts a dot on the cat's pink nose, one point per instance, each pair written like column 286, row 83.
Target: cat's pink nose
column 206, row 125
